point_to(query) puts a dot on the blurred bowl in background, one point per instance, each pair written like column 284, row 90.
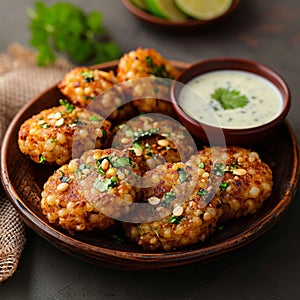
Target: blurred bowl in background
column 149, row 18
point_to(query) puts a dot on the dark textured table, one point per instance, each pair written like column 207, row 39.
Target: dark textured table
column 267, row 31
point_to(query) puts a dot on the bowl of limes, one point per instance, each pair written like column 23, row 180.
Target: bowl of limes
column 181, row 13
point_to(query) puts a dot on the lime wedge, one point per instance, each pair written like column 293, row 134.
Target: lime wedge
column 166, row 9
column 204, row 9
column 140, row 4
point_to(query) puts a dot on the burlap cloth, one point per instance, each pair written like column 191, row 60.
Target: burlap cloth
column 20, row 80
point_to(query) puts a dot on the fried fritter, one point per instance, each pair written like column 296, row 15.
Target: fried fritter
column 239, row 178
column 180, row 215
column 57, row 134
column 148, row 76
column 99, row 89
column 154, row 139
column 91, row 191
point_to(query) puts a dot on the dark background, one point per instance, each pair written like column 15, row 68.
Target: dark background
column 266, row 31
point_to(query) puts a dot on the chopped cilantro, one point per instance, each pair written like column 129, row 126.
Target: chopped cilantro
column 167, row 198
column 233, row 167
column 219, row 169
column 106, row 184
column 202, row 192
column 42, row 159
column 137, row 145
column 64, row 178
column 142, row 133
column 175, row 220
column 88, row 76
column 182, row 174
column 223, row 186
column 45, row 125
column 202, row 165
column 68, row 106
column 121, row 162
column 94, row 118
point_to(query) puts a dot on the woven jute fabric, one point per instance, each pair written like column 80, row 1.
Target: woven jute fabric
column 20, row 80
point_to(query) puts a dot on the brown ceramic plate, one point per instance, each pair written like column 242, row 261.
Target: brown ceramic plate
column 24, row 179
column 163, row 23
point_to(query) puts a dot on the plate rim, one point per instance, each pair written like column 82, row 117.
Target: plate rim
column 115, row 256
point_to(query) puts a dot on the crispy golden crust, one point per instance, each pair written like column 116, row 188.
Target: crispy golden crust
column 65, row 205
column 57, row 134
column 153, row 140
column 145, row 62
column 240, row 179
column 81, row 85
column 90, row 192
column 84, row 86
column 214, row 186
column 182, row 216
column 150, row 95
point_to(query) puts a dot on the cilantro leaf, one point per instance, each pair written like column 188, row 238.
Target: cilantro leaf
column 106, row 184
column 65, row 27
column 68, row 106
column 175, row 220
column 183, row 175
column 229, row 99
column 121, row 162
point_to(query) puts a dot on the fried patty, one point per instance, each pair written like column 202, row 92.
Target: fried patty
column 180, row 215
column 153, row 140
column 91, row 191
column 57, row 134
column 148, row 76
column 238, row 177
column 97, row 89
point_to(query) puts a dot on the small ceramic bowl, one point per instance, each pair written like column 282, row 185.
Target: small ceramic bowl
column 163, row 23
column 234, row 135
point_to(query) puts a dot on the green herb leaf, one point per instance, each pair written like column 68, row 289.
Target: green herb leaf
column 87, row 75
column 121, row 162
column 175, row 220
column 137, row 145
column 229, row 99
column 182, row 174
column 145, row 133
column 168, row 198
column 42, row 159
column 106, row 184
column 45, row 125
column 65, row 27
column 201, row 165
column 202, row 192
column 94, row 118
column 219, row 169
column 223, row 186
column 68, row 106
column 64, row 178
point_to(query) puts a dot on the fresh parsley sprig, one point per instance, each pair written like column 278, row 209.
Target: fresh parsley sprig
column 229, row 99
column 65, row 27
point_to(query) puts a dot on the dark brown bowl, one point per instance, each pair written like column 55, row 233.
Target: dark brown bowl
column 23, row 181
column 163, row 23
column 208, row 133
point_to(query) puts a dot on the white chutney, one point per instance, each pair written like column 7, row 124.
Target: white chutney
column 264, row 99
